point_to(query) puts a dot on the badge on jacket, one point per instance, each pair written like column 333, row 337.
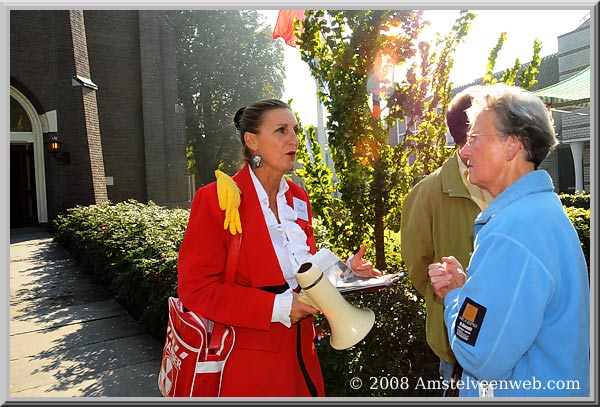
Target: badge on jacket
column 301, row 209
column 469, row 321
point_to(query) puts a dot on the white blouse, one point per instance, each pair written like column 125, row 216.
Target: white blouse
column 289, row 242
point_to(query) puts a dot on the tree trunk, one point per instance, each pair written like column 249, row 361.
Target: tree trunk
column 379, row 232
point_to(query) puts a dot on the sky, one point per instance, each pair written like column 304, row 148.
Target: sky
column 521, row 26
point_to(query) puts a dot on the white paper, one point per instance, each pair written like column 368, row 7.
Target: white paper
column 301, row 208
column 343, row 278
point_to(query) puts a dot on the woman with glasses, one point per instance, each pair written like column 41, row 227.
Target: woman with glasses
column 518, row 316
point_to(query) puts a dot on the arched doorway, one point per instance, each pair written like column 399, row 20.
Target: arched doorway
column 27, row 173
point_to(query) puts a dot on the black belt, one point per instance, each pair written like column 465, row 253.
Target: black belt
column 276, row 289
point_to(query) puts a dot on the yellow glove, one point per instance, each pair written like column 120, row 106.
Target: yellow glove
column 229, row 201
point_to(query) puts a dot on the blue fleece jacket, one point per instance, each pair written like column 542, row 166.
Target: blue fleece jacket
column 522, row 319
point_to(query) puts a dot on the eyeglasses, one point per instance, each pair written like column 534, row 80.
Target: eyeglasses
column 472, row 137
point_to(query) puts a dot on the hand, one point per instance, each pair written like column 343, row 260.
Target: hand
column 300, row 309
column 229, row 201
column 446, row 276
column 362, row 267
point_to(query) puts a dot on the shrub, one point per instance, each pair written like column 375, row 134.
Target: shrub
column 575, row 201
column 131, row 249
column 392, row 358
column 580, row 218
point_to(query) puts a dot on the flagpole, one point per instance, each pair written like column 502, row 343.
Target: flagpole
column 321, row 137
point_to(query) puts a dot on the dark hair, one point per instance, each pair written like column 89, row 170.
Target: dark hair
column 456, row 116
column 249, row 118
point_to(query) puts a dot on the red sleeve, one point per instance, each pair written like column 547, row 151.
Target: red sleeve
column 201, row 270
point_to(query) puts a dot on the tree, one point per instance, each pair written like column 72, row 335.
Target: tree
column 523, row 75
column 226, row 59
column 348, row 52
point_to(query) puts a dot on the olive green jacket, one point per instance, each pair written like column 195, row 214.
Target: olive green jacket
column 437, row 221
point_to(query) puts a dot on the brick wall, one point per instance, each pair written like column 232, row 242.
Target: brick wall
column 47, row 49
column 175, row 140
column 90, row 110
column 33, row 72
column 575, row 126
column 550, row 164
column 32, row 62
column 574, row 51
column 114, row 53
column 164, row 140
column 152, row 106
column 573, row 56
column 110, row 131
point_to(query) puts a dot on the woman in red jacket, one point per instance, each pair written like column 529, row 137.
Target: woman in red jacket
column 274, row 352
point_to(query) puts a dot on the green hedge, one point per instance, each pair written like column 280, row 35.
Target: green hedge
column 580, row 218
column 575, row 201
column 131, row 248
column 394, row 358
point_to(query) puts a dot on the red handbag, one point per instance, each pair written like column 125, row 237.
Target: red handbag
column 196, row 348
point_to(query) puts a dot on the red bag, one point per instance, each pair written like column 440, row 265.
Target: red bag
column 196, row 349
column 195, row 353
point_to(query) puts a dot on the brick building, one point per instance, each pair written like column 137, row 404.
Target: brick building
column 104, row 83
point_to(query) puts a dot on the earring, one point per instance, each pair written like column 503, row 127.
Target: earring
column 257, row 161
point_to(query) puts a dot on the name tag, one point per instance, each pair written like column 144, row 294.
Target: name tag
column 301, row 208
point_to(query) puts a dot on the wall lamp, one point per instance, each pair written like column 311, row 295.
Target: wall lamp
column 54, row 147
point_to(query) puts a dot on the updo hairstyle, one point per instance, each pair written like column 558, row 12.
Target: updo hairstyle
column 249, row 118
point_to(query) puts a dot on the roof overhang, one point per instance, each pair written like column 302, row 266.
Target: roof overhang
column 572, row 92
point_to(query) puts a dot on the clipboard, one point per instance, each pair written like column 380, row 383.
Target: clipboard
column 344, row 279
column 367, row 283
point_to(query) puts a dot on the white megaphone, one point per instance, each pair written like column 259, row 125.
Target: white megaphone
column 349, row 325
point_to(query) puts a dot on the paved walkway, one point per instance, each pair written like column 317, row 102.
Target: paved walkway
column 68, row 336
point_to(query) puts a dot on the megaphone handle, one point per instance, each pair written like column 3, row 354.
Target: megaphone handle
column 302, row 296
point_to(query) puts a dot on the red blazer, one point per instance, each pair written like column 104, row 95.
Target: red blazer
column 201, row 274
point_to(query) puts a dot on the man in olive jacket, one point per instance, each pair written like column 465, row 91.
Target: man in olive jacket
column 437, row 220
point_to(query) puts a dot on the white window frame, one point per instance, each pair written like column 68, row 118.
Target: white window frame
column 34, row 137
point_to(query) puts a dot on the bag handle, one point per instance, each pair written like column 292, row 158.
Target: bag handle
column 233, row 253
column 216, row 337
